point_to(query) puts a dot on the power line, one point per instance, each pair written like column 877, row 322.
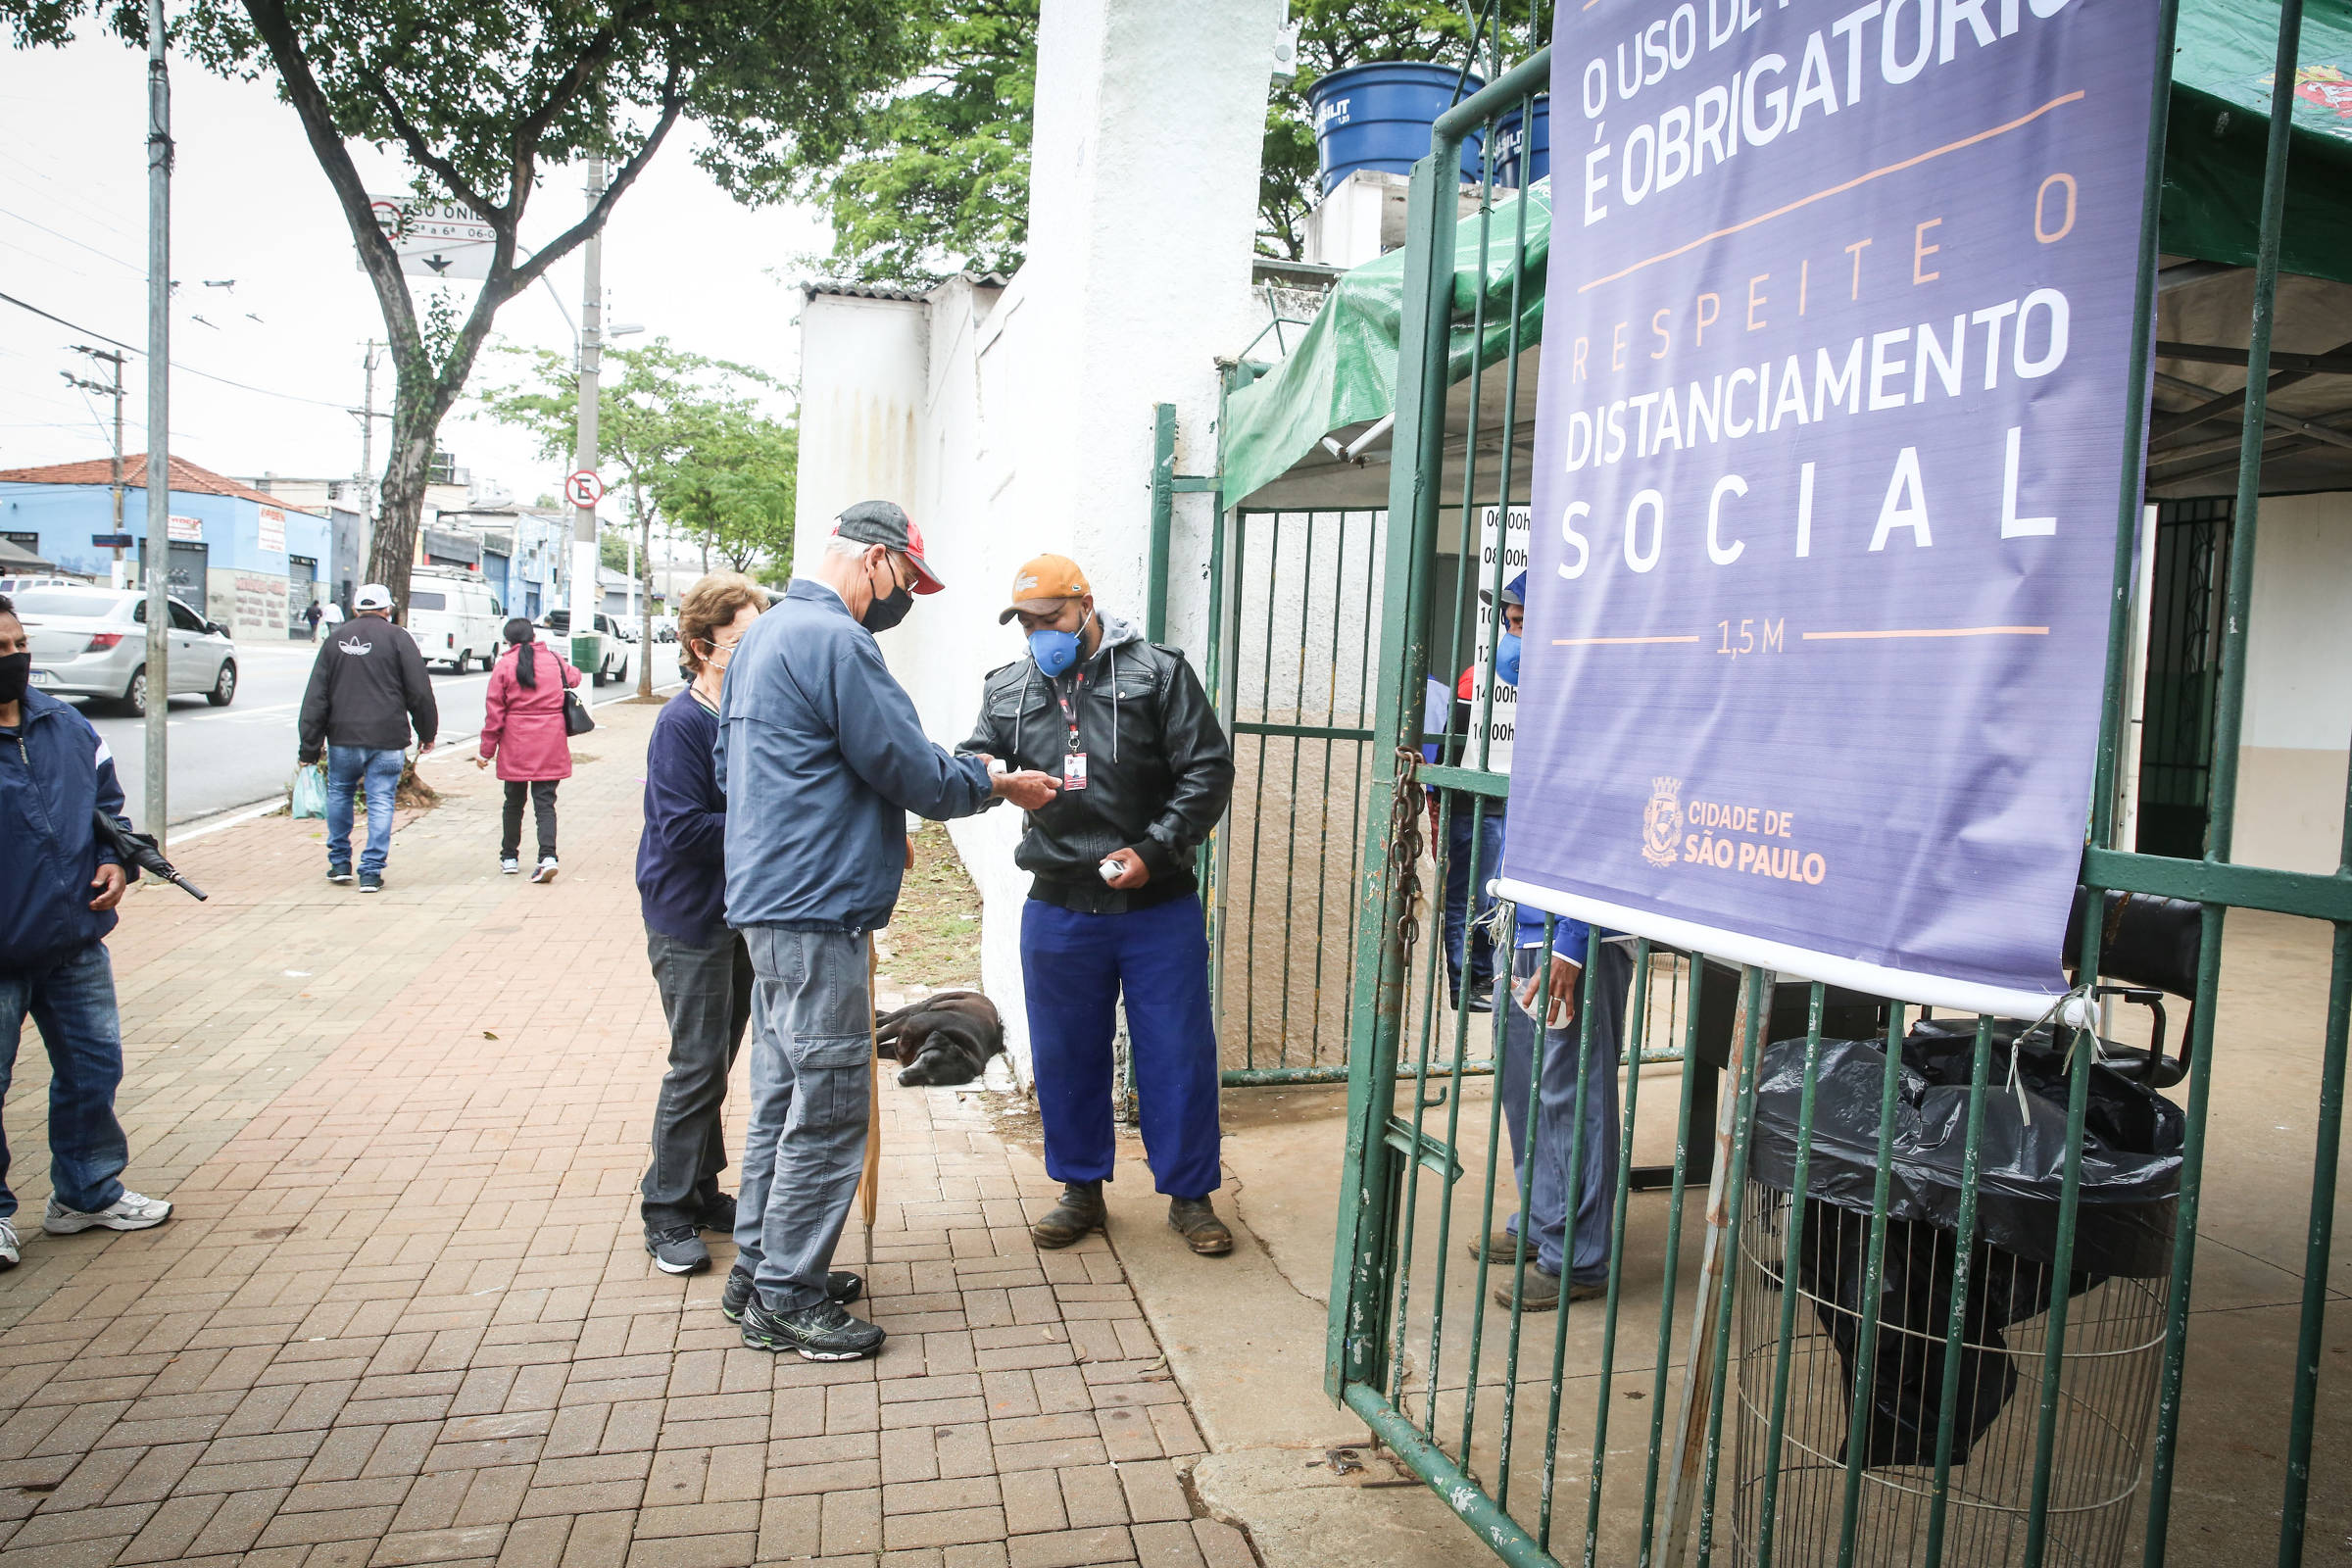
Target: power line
column 104, row 256
column 185, row 370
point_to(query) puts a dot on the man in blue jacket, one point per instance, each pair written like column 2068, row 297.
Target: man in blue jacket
column 58, row 891
column 822, row 756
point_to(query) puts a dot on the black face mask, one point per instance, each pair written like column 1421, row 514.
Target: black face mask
column 887, row 611
column 16, row 672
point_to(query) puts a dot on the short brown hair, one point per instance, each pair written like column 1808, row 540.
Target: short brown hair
column 710, row 604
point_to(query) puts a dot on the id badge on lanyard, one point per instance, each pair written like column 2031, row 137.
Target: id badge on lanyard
column 1074, row 761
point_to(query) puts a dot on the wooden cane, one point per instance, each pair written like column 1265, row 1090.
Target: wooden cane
column 869, row 1182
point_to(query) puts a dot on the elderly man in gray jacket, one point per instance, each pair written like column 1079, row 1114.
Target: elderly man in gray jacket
column 821, row 755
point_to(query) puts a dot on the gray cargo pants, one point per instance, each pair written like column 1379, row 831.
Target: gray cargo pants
column 811, row 1016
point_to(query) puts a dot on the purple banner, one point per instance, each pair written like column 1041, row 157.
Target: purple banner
column 1836, row 363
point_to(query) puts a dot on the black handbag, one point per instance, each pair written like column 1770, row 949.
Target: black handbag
column 577, row 720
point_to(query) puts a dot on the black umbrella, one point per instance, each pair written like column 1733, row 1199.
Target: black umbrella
column 139, row 850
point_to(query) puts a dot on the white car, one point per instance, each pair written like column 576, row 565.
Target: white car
column 555, row 629
column 92, row 641
column 456, row 618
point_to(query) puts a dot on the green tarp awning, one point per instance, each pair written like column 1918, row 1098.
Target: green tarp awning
column 1343, row 372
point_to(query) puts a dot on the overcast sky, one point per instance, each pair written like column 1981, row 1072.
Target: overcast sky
column 249, row 204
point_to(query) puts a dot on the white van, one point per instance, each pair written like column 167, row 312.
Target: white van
column 456, row 619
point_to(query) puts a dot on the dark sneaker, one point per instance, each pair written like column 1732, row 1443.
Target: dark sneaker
column 1192, row 1219
column 338, row 873
column 1484, row 1002
column 372, row 882
column 717, row 1214
column 1539, row 1291
column 820, row 1333
column 1079, row 1211
column 678, row 1252
column 840, row 1287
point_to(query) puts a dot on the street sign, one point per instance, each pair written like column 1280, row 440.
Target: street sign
column 582, row 488
column 112, row 541
column 435, row 239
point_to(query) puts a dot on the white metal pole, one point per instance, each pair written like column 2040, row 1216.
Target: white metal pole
column 158, row 420
column 583, row 531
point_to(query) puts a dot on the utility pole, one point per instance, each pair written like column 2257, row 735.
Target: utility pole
column 158, row 420
column 114, row 359
column 592, row 320
column 368, row 461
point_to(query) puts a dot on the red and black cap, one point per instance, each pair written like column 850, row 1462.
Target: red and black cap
column 885, row 522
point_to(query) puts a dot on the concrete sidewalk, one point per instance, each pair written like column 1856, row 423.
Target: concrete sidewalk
column 404, row 1314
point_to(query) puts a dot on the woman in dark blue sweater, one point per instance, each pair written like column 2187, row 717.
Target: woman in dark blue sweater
column 703, row 968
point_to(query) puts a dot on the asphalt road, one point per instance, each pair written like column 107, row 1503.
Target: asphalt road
column 224, row 757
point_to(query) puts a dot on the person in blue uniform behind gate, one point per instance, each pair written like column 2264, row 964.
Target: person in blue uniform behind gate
column 1146, row 772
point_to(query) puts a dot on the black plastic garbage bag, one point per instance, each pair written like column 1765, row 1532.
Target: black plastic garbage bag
column 2130, row 1186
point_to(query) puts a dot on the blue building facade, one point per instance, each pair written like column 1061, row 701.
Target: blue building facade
column 241, row 556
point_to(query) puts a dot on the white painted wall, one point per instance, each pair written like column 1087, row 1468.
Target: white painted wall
column 1027, row 412
column 2298, row 719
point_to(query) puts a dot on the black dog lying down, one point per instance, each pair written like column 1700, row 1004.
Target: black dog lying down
column 943, row 1039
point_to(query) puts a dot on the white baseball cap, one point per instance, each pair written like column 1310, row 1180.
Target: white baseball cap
column 373, row 596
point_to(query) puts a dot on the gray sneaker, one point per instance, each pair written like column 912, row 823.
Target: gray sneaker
column 10, row 1247
column 841, row 1288
column 678, row 1252
column 129, row 1212
column 820, row 1333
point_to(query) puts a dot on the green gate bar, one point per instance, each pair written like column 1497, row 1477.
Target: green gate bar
column 1382, row 1357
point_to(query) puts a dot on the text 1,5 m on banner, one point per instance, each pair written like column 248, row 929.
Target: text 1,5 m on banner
column 1837, row 344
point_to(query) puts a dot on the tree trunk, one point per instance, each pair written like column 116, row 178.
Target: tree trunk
column 401, row 514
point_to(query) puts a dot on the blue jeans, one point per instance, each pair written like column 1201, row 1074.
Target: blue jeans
column 348, row 768
column 73, row 1002
column 812, row 1069
column 1542, row 1169
column 1074, row 966
column 1460, row 902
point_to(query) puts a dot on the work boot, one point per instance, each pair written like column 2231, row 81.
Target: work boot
column 840, row 1287
column 820, row 1333
column 1499, row 1246
column 1079, row 1211
column 1539, row 1291
column 1192, row 1219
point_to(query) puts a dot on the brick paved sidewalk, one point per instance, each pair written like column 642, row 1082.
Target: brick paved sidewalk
column 404, row 1314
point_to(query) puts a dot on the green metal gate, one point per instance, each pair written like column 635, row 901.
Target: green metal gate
column 1600, row 1433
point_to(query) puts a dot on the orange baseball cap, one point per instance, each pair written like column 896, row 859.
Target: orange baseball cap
column 1043, row 583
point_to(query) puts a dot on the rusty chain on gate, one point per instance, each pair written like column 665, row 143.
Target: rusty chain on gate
column 1404, row 853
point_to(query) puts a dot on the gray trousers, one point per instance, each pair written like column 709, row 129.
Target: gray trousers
column 811, row 1072
column 1542, row 1169
column 706, row 999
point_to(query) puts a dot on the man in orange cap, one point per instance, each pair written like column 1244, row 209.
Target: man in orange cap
column 1113, row 909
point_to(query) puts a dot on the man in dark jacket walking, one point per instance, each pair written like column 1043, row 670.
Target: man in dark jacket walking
column 59, row 885
column 367, row 687
column 1146, row 772
column 821, row 757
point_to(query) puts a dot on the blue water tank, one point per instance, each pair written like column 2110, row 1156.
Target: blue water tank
column 1508, row 143
column 1378, row 117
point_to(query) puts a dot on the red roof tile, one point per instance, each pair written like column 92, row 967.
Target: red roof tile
column 185, row 476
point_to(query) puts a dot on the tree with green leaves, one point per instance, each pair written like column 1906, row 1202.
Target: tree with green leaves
column 483, row 97
column 736, row 494
column 662, row 412
column 931, row 177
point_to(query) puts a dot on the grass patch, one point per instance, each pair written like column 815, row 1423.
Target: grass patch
column 933, row 939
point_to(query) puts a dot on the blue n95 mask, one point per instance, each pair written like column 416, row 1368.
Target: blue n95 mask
column 1506, row 658
column 1055, row 651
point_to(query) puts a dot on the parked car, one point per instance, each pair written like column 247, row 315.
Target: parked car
column 455, row 617
column 12, row 586
column 92, row 641
column 555, row 627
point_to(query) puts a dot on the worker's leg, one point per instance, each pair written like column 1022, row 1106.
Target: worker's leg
column 1163, row 969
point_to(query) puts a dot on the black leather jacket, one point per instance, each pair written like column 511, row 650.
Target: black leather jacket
column 1159, row 769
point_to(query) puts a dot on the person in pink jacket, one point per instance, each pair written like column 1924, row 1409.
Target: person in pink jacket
column 522, row 728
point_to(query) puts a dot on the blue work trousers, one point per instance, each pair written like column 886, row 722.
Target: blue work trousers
column 1542, row 1171
column 349, row 770
column 73, row 1004
column 1461, row 908
column 1074, row 966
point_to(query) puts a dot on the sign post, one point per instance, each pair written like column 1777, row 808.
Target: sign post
column 1837, row 335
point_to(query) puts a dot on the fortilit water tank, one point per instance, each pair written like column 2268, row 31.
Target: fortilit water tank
column 1509, row 145
column 1379, row 117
